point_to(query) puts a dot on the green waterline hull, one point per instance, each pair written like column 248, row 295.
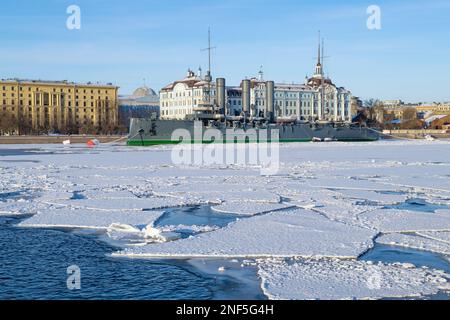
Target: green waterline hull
column 147, row 143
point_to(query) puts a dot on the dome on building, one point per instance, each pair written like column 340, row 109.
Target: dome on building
column 143, row 92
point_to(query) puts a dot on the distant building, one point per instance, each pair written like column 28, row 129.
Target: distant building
column 393, row 103
column 316, row 99
column 443, row 109
column 35, row 106
column 143, row 103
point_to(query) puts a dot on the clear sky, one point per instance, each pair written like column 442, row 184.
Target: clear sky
column 125, row 41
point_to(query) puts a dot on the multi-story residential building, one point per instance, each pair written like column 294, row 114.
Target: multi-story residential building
column 34, row 106
column 317, row 99
column 442, row 109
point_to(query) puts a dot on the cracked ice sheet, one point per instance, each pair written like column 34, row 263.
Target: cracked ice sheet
column 52, row 195
column 328, row 279
column 439, row 236
column 217, row 190
column 250, row 208
column 279, row 234
column 89, row 219
column 415, row 242
column 350, row 183
column 135, row 204
column 393, row 221
column 18, row 208
column 373, row 196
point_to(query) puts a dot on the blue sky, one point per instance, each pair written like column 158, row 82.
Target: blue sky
column 125, row 41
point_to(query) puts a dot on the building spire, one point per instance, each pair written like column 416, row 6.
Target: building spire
column 261, row 74
column 319, row 66
column 318, row 53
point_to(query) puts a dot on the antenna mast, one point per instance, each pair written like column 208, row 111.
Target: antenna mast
column 208, row 77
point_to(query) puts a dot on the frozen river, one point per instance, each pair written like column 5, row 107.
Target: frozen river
column 338, row 221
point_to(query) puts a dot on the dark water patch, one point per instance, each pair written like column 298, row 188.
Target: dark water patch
column 397, row 193
column 34, row 266
column 10, row 195
column 17, row 195
column 23, row 152
column 197, row 215
column 392, row 254
column 78, row 195
column 20, row 161
column 417, row 204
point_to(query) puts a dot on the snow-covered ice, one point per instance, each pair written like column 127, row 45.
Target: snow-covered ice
column 393, row 220
column 279, row 234
column 137, row 204
column 443, row 236
column 91, row 219
column 346, row 279
column 250, row 208
column 415, row 241
column 328, row 200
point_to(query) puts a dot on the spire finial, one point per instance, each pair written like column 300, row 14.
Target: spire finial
column 318, row 52
column 261, row 74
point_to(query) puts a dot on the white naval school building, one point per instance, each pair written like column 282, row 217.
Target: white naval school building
column 317, row 99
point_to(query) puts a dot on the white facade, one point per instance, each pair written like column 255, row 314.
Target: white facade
column 317, row 99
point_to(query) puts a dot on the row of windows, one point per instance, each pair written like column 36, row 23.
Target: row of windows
column 69, row 103
column 197, row 93
column 4, row 88
column 176, row 112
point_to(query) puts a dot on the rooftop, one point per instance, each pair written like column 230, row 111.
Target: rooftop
column 57, row 82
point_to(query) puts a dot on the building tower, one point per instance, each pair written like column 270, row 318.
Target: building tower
column 319, row 66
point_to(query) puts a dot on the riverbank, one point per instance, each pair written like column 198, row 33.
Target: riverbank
column 58, row 139
column 417, row 134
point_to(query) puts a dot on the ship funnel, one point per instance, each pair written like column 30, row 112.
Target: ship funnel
column 221, row 97
column 246, row 84
column 270, row 103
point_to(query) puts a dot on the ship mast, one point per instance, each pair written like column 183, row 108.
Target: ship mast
column 323, row 78
column 208, row 77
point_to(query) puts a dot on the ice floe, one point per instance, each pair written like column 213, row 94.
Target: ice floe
column 381, row 198
column 415, row 241
column 443, row 236
column 328, row 279
column 392, row 221
column 280, row 234
column 90, row 219
column 250, row 208
column 137, row 204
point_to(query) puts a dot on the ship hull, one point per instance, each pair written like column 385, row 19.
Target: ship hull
column 147, row 132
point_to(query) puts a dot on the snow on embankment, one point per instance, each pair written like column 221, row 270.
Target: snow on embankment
column 346, row 279
column 280, row 234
